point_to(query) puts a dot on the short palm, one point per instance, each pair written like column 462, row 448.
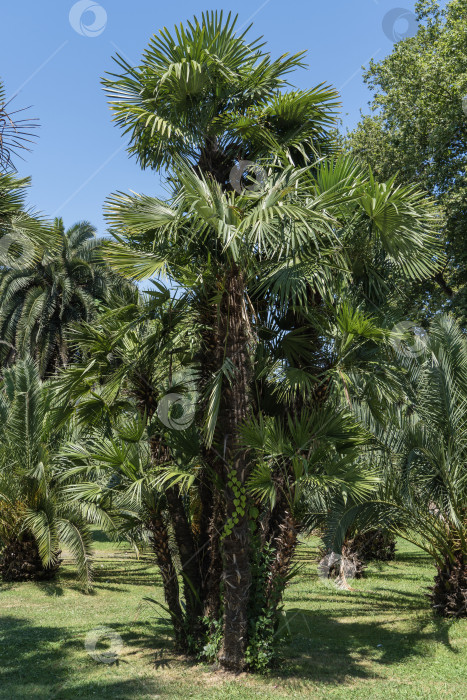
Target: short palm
column 36, row 515
column 423, row 440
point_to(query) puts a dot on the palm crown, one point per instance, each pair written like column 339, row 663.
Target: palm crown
column 211, row 96
column 40, row 298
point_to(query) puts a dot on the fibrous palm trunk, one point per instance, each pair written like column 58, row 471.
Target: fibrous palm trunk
column 210, row 359
column 449, row 594
column 187, row 550
column 373, row 545
column 188, row 553
column 159, row 538
column 20, row 561
column 234, row 408
column 285, row 545
column 213, row 571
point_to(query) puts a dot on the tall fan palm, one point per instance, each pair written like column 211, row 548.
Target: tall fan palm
column 229, row 238
column 39, row 298
column 211, row 99
column 36, row 515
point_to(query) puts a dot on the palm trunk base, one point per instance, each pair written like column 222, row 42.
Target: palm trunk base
column 374, row 545
column 20, row 561
column 449, row 594
column 237, row 582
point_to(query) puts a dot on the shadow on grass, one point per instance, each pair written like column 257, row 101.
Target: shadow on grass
column 33, row 660
column 325, row 650
column 341, row 639
column 50, row 663
column 418, row 557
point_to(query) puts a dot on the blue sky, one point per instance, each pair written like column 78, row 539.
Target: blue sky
column 54, row 61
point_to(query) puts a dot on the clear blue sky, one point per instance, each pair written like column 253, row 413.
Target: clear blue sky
column 55, row 61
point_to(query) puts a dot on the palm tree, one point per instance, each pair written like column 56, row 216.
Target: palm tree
column 282, row 239
column 317, row 451
column 15, row 133
column 21, row 230
column 424, row 498
column 36, row 515
column 201, row 102
column 130, row 359
column 39, row 299
column 117, row 473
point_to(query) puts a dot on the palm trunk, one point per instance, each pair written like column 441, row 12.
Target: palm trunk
column 233, row 410
column 373, row 545
column 160, row 544
column 213, row 577
column 210, row 358
column 187, row 550
column 20, row 561
column 188, row 556
column 449, row 594
column 286, row 543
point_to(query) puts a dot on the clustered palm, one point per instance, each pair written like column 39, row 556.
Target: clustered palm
column 259, row 266
column 133, row 359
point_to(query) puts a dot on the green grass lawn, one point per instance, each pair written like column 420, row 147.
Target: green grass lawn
column 379, row 640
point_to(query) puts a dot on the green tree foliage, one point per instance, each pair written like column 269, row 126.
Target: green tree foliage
column 263, row 269
column 37, row 514
column 41, row 294
column 418, row 132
